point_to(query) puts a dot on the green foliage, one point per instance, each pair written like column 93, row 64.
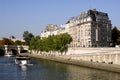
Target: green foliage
column 18, row 42
column 118, row 40
column 115, row 36
column 62, row 41
column 51, row 43
column 27, row 37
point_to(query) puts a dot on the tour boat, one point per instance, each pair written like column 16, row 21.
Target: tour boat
column 22, row 60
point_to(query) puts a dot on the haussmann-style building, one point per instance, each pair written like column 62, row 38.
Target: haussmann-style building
column 91, row 28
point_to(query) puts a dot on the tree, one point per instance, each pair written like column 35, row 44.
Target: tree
column 118, row 40
column 51, row 43
column 27, row 37
column 18, row 42
column 63, row 41
column 6, row 41
column 35, row 43
column 115, row 36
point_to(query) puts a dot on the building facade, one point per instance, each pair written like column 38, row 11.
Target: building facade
column 91, row 28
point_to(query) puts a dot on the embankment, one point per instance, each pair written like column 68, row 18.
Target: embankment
column 66, row 60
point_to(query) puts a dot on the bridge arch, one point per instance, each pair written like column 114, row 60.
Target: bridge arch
column 23, row 51
column 14, row 52
column 2, row 52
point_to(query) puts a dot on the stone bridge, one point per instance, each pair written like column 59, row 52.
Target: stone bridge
column 4, row 49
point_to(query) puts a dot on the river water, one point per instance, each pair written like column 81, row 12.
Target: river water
column 49, row 70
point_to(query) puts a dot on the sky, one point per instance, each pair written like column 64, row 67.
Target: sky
column 17, row 16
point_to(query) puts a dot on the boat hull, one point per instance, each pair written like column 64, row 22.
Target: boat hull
column 22, row 60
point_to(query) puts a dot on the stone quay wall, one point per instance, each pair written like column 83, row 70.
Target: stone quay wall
column 100, row 55
column 99, row 58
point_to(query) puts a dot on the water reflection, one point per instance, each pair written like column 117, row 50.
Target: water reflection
column 58, row 71
column 23, row 68
column 22, row 72
column 49, row 70
column 80, row 73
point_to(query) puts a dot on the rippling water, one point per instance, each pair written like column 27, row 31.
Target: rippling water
column 48, row 70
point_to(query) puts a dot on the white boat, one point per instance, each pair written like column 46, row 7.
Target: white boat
column 9, row 54
column 22, row 60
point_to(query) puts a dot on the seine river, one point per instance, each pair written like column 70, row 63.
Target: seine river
column 48, row 70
